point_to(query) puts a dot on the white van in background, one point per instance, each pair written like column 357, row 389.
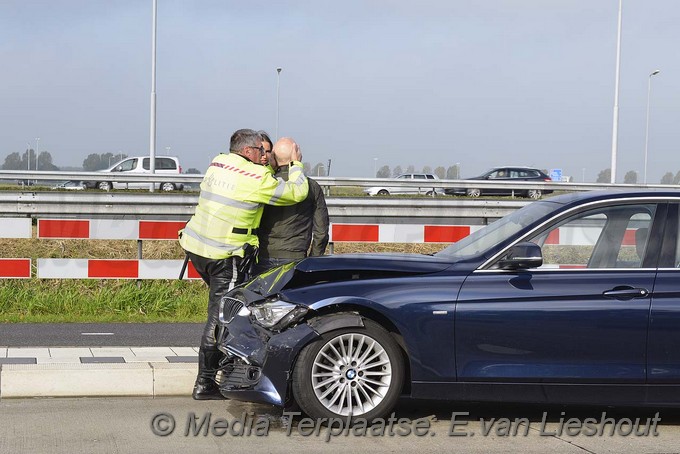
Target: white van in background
column 140, row 164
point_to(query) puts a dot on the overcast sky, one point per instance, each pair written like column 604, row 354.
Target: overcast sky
column 428, row 82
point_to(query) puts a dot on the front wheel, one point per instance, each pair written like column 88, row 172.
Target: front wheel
column 383, row 192
column 473, row 192
column 104, row 185
column 534, row 194
column 357, row 371
column 167, row 187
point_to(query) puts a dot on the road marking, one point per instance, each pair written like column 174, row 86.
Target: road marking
column 96, row 334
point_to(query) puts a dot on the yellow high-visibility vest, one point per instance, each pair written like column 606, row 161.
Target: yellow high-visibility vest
column 230, row 205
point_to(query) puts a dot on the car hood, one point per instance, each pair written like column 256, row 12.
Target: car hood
column 335, row 268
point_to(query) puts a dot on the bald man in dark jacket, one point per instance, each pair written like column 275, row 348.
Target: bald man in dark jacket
column 286, row 233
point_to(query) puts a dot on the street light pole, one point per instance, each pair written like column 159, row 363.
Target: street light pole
column 37, row 147
column 278, row 86
column 152, row 129
column 375, row 167
column 649, row 92
column 615, row 128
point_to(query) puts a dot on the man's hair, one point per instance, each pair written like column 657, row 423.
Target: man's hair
column 244, row 138
column 265, row 138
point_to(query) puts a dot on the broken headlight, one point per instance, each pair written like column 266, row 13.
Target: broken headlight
column 276, row 314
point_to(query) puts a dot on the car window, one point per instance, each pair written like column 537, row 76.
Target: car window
column 419, row 177
column 403, row 176
column 482, row 240
column 127, row 165
column 677, row 249
column 165, row 164
column 430, row 177
column 611, row 237
column 161, row 164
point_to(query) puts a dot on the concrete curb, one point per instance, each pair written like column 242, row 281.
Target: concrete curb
column 151, row 379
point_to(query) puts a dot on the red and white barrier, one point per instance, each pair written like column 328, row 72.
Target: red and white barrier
column 113, row 269
column 15, row 228
column 399, row 233
column 108, row 229
column 15, row 268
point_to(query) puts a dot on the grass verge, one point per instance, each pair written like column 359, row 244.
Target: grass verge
column 85, row 301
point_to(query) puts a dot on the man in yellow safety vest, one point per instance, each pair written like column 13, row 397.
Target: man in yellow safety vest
column 224, row 227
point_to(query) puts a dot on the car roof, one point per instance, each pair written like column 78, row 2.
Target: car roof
column 515, row 167
column 612, row 194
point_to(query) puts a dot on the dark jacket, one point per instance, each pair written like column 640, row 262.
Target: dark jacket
column 288, row 231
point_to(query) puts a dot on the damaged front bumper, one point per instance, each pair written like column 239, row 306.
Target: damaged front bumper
column 258, row 362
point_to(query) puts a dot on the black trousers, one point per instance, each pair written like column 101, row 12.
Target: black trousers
column 221, row 275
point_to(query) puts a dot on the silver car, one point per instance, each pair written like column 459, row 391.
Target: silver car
column 427, row 188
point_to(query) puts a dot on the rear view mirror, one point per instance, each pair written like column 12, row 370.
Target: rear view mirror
column 522, row 256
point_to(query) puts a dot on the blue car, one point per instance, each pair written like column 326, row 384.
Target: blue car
column 573, row 300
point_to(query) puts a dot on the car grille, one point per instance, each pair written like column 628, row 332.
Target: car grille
column 230, row 307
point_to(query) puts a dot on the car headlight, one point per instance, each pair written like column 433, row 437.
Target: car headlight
column 276, row 313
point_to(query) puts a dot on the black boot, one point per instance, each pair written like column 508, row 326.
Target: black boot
column 205, row 387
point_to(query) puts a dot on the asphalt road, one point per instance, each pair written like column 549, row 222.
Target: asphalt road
column 181, row 425
column 100, row 335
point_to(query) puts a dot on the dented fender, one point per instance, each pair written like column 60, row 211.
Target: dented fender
column 332, row 322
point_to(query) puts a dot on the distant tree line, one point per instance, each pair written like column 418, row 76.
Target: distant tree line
column 94, row 161
column 631, row 177
column 27, row 161
column 450, row 173
column 100, row 161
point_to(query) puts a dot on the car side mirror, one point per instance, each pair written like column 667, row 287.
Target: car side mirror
column 522, row 256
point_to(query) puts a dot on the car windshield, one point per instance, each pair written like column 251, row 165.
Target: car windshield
column 493, row 234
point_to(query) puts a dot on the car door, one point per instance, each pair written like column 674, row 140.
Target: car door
column 126, row 166
column 403, row 189
column 499, row 175
column 580, row 317
column 423, row 179
column 664, row 335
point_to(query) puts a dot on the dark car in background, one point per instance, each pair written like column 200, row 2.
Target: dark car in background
column 502, row 174
column 569, row 300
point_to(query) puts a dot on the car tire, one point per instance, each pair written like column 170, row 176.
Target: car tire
column 383, row 192
column 168, row 187
column 430, row 193
column 534, row 194
column 364, row 361
column 473, row 192
column 104, row 185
